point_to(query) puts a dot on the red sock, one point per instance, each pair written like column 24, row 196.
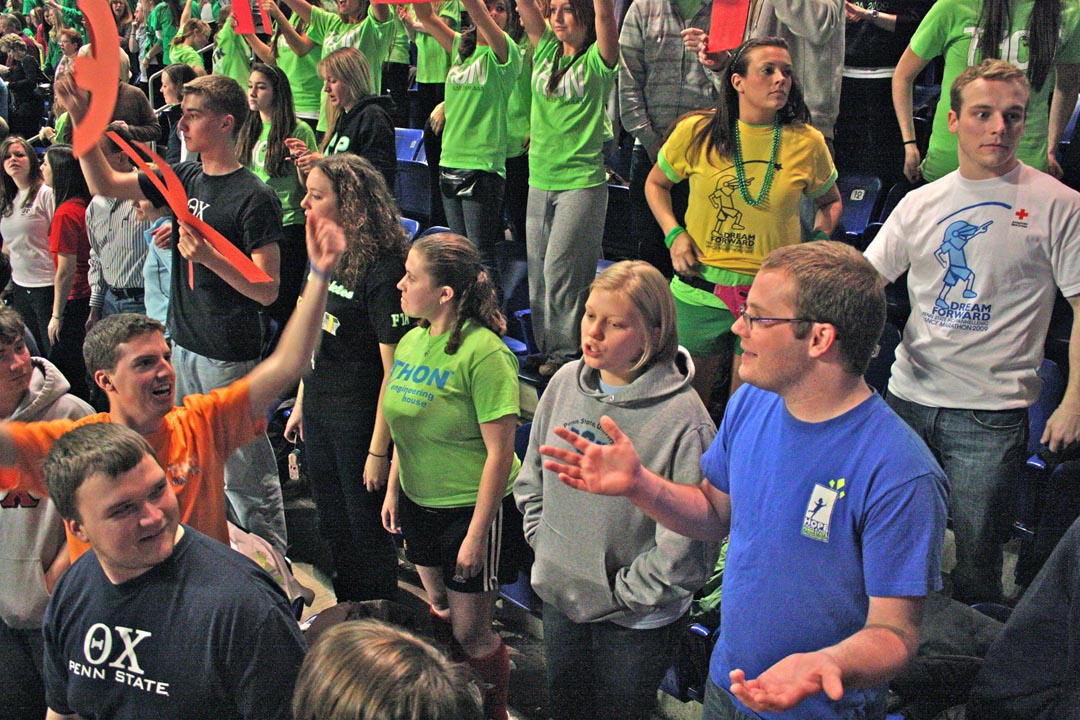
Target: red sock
column 494, row 672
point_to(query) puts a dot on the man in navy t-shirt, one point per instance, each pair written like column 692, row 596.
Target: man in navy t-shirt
column 158, row 621
column 835, row 509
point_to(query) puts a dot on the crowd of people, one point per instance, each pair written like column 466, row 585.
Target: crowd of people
column 141, row 353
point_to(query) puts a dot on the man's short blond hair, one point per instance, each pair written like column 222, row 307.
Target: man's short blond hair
column 997, row 70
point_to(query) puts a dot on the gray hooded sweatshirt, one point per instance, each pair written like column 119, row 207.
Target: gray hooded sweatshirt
column 31, row 533
column 601, row 558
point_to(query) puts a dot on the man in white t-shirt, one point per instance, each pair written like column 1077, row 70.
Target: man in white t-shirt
column 986, row 248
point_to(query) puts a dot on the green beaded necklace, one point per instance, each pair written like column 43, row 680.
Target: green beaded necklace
column 740, row 172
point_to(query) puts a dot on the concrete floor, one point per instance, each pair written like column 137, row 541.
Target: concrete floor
column 522, row 633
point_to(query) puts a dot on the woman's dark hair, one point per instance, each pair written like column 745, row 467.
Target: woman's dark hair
column 586, row 17
column 67, row 177
column 717, row 133
column 453, row 261
column 368, row 214
column 7, row 202
column 282, row 125
column 180, row 74
column 1044, row 25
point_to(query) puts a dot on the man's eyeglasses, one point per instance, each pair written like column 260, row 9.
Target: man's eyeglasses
column 767, row 322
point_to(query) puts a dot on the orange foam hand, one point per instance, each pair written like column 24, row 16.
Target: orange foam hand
column 245, row 20
column 99, row 73
column 728, row 25
column 172, row 190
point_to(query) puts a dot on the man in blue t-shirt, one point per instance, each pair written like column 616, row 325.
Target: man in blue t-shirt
column 836, row 510
column 159, row 620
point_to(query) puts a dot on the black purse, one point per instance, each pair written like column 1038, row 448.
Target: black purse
column 456, row 183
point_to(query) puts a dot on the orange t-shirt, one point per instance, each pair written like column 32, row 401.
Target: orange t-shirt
column 192, row 445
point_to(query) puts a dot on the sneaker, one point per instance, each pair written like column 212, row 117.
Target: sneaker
column 549, row 368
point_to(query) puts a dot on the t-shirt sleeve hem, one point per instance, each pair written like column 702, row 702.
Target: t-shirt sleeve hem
column 669, row 171
column 828, row 184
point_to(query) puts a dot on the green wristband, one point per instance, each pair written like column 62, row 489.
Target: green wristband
column 819, row 235
column 673, row 233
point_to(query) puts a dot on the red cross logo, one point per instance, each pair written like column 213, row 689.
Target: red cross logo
column 1022, row 213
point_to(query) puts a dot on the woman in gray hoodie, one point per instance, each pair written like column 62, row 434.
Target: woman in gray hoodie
column 613, row 582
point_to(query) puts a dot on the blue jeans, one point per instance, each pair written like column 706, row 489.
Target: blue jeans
column 252, row 485
column 115, row 304
column 718, row 705
column 603, row 670
column 480, row 218
column 982, row 453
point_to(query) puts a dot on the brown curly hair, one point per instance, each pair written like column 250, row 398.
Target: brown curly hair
column 368, row 215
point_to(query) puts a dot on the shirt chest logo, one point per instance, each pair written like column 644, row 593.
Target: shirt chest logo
column 817, row 520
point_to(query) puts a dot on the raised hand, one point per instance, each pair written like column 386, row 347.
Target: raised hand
column 600, row 469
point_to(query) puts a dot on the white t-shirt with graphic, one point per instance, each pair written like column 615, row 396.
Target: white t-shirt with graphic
column 984, row 259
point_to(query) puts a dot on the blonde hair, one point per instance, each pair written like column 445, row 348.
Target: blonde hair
column 644, row 286
column 350, row 67
column 368, row 670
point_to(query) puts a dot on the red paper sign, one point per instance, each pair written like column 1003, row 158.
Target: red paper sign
column 728, row 26
column 173, row 192
column 99, row 73
column 245, row 21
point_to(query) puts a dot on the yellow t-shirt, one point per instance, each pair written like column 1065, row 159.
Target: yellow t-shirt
column 731, row 234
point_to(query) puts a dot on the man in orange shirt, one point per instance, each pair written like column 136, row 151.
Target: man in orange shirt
column 130, row 360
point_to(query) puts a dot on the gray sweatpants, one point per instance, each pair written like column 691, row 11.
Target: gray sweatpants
column 564, row 230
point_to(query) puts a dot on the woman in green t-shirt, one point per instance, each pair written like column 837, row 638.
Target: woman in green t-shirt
column 290, row 49
column 162, row 25
column 260, row 146
column 478, row 87
column 358, row 24
column 574, row 68
column 185, row 47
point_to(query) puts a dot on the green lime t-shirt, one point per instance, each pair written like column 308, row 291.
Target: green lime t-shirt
column 520, row 103
column 435, row 403
column 950, row 29
column 288, row 187
column 370, row 37
column 477, row 91
column 566, row 152
column 163, row 30
column 189, row 56
column 432, row 60
column 232, row 56
column 399, row 49
column 303, row 77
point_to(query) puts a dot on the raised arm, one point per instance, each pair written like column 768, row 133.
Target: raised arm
column 607, row 31
column 301, row 8
column 700, row 511
column 100, row 178
column 903, row 84
column 434, row 26
column 300, row 338
column 531, row 19
column 185, row 14
column 262, row 51
column 872, row 656
column 488, row 28
column 300, row 44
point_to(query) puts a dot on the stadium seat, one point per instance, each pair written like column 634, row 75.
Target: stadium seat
column 409, row 141
column 413, row 190
column 877, row 374
column 892, row 199
column 411, row 226
column 859, row 194
column 520, row 592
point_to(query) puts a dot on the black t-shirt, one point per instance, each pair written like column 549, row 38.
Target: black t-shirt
column 348, row 365
column 214, row 320
column 869, row 46
column 205, row 634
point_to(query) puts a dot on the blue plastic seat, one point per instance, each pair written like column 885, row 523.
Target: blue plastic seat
column 409, row 141
column 859, row 194
column 413, row 190
column 412, row 227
